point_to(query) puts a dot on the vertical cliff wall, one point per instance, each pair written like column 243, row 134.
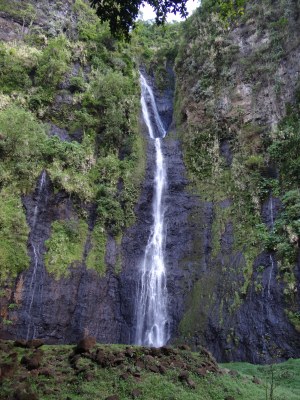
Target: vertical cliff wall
column 72, row 164
column 237, row 84
column 77, row 203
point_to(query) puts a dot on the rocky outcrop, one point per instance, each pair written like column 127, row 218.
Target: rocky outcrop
column 233, row 88
column 47, row 19
column 61, row 311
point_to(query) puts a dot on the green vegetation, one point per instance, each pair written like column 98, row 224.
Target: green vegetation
column 13, row 236
column 25, row 13
column 22, row 144
column 229, row 158
column 16, row 63
column 65, row 246
column 155, row 47
column 53, row 63
column 229, row 10
column 91, row 376
column 87, row 86
column 96, row 256
column 284, row 377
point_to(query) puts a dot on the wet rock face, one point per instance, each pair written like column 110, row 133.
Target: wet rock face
column 60, row 311
column 84, row 304
column 178, row 207
column 53, row 17
column 65, row 310
column 258, row 330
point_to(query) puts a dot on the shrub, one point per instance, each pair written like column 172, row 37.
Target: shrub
column 54, row 62
column 22, row 138
column 16, row 63
column 13, row 235
column 65, row 246
column 96, row 256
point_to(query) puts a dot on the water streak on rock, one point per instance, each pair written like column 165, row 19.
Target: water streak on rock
column 35, row 244
column 151, row 307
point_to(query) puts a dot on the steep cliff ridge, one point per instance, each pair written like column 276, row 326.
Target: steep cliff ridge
column 78, row 168
column 235, row 78
column 60, row 311
column 82, row 277
column 73, row 154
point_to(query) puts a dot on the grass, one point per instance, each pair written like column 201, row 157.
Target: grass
column 61, row 375
column 286, row 376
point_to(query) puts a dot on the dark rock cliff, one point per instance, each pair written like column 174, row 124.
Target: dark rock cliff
column 61, row 311
column 209, row 302
column 233, row 88
column 179, row 205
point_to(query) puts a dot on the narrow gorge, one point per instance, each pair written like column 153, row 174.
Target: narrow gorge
column 150, row 190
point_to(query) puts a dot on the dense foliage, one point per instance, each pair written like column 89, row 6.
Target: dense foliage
column 85, row 85
column 235, row 161
column 121, row 14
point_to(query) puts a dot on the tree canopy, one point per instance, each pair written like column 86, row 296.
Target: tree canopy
column 121, row 14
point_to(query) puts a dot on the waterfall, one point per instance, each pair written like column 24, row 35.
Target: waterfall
column 270, row 276
column 35, row 245
column 271, row 206
column 40, row 191
column 152, row 327
column 271, row 212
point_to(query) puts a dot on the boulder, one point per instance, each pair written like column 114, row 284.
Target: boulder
column 191, row 383
column 35, row 343
column 85, row 345
column 33, row 361
column 184, row 347
column 153, row 368
column 256, row 380
column 24, row 392
column 201, row 372
column 7, row 370
column 183, row 376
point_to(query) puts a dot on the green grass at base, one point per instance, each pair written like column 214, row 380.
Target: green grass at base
column 90, row 381
column 286, row 377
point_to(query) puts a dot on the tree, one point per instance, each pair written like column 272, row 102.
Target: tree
column 121, row 14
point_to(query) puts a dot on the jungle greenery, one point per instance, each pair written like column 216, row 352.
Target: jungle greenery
column 84, row 84
column 86, row 87
column 233, row 164
column 122, row 15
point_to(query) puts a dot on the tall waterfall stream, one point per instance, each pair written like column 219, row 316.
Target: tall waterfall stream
column 152, row 327
column 36, row 277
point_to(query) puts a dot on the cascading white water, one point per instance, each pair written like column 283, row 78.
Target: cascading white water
column 270, row 276
column 152, row 327
column 40, row 191
column 271, row 207
column 36, row 255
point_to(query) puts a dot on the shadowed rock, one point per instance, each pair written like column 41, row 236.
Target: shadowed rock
column 33, row 361
column 85, row 345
